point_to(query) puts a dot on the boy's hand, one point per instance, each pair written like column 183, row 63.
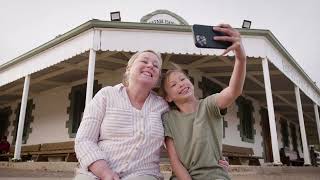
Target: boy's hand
column 224, row 164
column 234, row 37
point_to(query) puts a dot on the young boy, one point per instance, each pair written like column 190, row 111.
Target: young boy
column 194, row 130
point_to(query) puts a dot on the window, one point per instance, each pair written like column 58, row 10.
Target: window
column 246, row 120
column 77, row 104
column 284, row 133
column 208, row 88
column 294, row 136
column 27, row 122
column 4, row 120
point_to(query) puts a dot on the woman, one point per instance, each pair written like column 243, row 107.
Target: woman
column 121, row 131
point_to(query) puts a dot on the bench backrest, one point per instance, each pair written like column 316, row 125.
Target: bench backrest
column 69, row 145
column 26, row 148
column 229, row 150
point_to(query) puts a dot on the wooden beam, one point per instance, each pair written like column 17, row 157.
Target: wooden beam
column 274, row 93
column 211, row 64
column 51, row 74
column 166, row 61
column 56, row 83
column 128, row 55
column 114, row 60
column 254, row 73
column 200, row 61
column 263, row 92
column 223, row 85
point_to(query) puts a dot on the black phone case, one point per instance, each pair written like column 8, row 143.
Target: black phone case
column 203, row 37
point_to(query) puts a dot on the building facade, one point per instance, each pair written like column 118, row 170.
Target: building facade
column 48, row 87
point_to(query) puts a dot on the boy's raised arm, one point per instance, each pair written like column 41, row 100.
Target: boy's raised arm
column 228, row 95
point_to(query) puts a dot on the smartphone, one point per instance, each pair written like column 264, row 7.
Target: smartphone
column 203, row 37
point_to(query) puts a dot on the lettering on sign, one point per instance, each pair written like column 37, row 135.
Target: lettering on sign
column 163, row 17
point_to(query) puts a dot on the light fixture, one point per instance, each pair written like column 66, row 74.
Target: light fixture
column 115, row 16
column 246, row 24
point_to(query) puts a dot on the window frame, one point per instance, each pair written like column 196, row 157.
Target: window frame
column 77, row 106
column 246, row 127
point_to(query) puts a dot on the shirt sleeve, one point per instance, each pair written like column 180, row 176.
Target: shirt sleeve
column 166, row 125
column 213, row 108
column 86, row 147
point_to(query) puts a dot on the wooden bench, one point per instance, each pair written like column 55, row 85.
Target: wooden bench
column 239, row 155
column 63, row 150
column 290, row 157
column 27, row 151
column 164, row 158
column 8, row 156
column 236, row 155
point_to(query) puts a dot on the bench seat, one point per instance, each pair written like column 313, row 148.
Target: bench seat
column 237, row 155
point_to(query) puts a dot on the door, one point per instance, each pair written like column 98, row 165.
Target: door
column 267, row 147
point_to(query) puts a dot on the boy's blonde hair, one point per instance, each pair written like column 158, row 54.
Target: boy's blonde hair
column 125, row 79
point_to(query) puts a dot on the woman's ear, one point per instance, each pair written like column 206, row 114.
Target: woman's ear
column 168, row 99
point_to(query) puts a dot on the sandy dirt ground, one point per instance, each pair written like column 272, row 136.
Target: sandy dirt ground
column 17, row 174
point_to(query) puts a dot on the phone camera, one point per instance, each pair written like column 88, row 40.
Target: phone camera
column 201, row 40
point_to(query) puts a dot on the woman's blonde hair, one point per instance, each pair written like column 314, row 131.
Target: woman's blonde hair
column 125, row 79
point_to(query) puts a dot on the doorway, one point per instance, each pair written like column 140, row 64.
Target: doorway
column 267, row 146
column 4, row 121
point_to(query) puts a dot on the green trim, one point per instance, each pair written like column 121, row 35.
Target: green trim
column 244, row 137
column 71, row 109
column 293, row 134
column 145, row 18
column 225, row 125
column 284, row 133
column 8, row 112
column 29, row 118
column 148, row 26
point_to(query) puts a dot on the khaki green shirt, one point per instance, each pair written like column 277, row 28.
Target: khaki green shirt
column 198, row 139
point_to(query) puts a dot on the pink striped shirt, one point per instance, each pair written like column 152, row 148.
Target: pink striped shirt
column 127, row 138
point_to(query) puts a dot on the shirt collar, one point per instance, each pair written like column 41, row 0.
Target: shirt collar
column 120, row 87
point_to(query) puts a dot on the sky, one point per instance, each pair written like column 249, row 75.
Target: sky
column 25, row 25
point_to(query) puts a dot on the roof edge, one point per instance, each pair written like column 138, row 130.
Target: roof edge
column 274, row 41
column 95, row 23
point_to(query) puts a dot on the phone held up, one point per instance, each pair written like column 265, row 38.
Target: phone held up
column 203, row 37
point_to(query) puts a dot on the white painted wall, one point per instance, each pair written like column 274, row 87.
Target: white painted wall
column 50, row 116
column 232, row 134
column 50, row 113
column 13, row 107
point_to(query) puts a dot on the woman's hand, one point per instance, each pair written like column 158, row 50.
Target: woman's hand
column 100, row 168
column 110, row 176
column 233, row 36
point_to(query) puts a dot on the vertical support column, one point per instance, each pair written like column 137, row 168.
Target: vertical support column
column 272, row 120
column 306, row 155
column 316, row 112
column 24, row 100
column 90, row 78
